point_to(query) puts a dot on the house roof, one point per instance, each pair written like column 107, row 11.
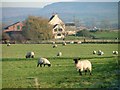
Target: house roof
column 52, row 17
column 55, row 20
column 11, row 25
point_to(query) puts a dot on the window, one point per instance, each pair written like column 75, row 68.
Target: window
column 18, row 27
column 55, row 30
column 60, row 29
column 58, row 34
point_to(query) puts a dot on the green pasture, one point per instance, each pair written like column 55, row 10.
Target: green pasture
column 19, row 72
column 46, row 50
column 105, row 34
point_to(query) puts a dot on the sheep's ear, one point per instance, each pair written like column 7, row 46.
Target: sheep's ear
column 79, row 58
column 75, row 59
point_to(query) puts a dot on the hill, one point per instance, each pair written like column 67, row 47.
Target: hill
column 86, row 13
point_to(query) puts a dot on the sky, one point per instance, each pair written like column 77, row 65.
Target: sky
column 41, row 3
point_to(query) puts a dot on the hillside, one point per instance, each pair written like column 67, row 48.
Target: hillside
column 86, row 13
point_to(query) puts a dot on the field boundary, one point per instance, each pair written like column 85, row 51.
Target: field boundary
column 19, row 59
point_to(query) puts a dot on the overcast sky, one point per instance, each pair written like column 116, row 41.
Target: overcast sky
column 42, row 3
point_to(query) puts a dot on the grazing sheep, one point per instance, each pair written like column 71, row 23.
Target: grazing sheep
column 100, row 52
column 8, row 44
column 79, row 42
column 59, row 54
column 83, row 65
column 94, row 52
column 64, row 44
column 55, row 46
column 30, row 55
column 72, row 42
column 43, row 61
column 53, row 42
column 115, row 52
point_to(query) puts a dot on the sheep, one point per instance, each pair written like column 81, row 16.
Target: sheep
column 55, row 46
column 115, row 52
column 64, row 44
column 43, row 61
column 94, row 52
column 83, row 65
column 79, row 42
column 59, row 54
column 8, row 44
column 30, row 55
column 53, row 42
column 72, row 42
column 100, row 52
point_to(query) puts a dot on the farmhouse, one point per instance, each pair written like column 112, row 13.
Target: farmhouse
column 16, row 27
column 58, row 26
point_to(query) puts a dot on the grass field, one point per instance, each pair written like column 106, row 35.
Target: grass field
column 105, row 34
column 19, row 72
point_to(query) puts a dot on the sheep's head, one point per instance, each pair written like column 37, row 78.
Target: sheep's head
column 76, row 60
column 49, row 65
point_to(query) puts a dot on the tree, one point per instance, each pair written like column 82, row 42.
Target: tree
column 5, row 36
column 37, row 28
column 83, row 33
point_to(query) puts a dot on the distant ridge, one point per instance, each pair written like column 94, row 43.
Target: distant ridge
column 85, row 12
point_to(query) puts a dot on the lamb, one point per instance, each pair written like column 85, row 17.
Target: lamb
column 59, row 54
column 83, row 65
column 94, row 52
column 115, row 52
column 55, row 46
column 43, row 61
column 30, row 55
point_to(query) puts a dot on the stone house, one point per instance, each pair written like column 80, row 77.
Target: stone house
column 58, row 27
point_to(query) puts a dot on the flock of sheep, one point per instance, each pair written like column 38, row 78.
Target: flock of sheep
column 81, row 65
column 101, row 52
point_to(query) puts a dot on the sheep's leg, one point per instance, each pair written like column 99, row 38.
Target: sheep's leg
column 29, row 56
column 32, row 56
column 40, row 65
column 37, row 64
column 44, row 65
column 85, row 72
column 80, row 72
column 90, row 73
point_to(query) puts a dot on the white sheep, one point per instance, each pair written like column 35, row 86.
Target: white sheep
column 115, row 52
column 8, row 44
column 79, row 42
column 72, row 42
column 55, row 46
column 94, row 52
column 100, row 52
column 53, row 42
column 30, row 55
column 59, row 54
column 64, row 44
column 43, row 61
column 83, row 65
